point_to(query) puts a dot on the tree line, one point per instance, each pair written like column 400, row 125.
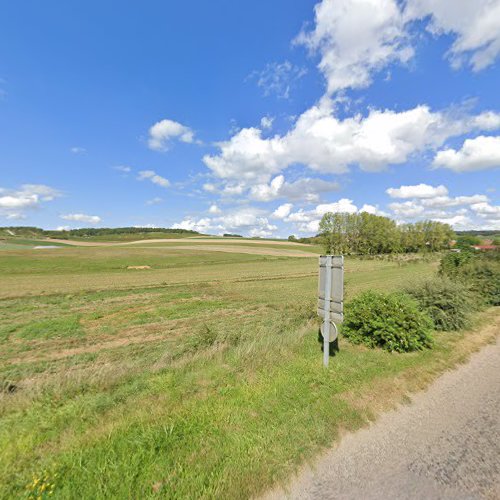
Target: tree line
column 93, row 231
column 369, row 234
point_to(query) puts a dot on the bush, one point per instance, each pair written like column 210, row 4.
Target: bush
column 483, row 278
column 448, row 303
column 480, row 273
column 391, row 321
column 452, row 264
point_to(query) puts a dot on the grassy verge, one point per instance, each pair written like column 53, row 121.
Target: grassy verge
column 197, row 389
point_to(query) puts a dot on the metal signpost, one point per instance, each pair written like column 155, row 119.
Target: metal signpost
column 330, row 298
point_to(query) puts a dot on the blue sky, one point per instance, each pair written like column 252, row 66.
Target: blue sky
column 249, row 117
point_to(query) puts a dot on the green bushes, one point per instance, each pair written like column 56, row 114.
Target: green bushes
column 391, row 321
column 452, row 264
column 403, row 322
column 480, row 273
column 448, row 303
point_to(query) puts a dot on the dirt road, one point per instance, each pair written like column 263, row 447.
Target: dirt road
column 445, row 444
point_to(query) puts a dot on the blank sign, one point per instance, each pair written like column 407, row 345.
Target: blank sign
column 336, row 306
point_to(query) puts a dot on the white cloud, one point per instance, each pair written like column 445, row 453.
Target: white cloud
column 372, row 209
column 327, row 144
column 278, row 78
column 123, row 168
column 480, row 153
column 461, row 212
column 305, row 189
column 407, row 209
column 456, row 221
column 18, row 201
column 77, row 150
column 14, row 203
column 209, row 187
column 155, row 201
column 214, row 209
column 63, row 228
column 154, row 178
column 307, row 221
column 13, row 215
column 266, row 122
column 246, row 220
column 484, row 209
column 355, row 38
column 475, row 26
column 164, row 131
column 417, row 191
column 282, row 211
column 90, row 219
column 446, row 201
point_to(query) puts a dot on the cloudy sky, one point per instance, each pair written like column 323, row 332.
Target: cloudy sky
column 250, row 117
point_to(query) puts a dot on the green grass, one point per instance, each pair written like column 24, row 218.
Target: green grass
column 132, row 236
column 21, row 243
column 201, row 377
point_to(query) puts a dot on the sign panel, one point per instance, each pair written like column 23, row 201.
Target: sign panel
column 333, row 331
column 330, row 299
column 336, row 302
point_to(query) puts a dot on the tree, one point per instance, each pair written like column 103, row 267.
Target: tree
column 369, row 234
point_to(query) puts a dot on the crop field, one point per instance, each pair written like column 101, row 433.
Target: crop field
column 198, row 375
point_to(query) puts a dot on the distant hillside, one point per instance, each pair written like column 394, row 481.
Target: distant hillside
column 109, row 234
column 21, row 232
column 478, row 232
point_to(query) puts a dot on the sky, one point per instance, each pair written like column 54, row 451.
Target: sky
column 253, row 118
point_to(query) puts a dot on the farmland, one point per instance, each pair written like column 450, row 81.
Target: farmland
column 198, row 376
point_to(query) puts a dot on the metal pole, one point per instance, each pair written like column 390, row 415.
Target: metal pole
column 326, row 319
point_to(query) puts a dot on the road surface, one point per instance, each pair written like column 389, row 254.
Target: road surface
column 444, row 445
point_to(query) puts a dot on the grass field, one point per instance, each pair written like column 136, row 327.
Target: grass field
column 198, row 377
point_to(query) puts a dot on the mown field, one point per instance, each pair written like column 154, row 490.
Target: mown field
column 198, row 377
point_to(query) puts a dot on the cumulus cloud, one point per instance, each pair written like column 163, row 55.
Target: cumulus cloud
column 89, row 219
column 282, row 211
column 474, row 26
column 446, row 201
column 325, row 143
column 486, row 210
column 214, row 209
column 15, row 202
column 355, row 38
column 278, row 78
column 417, row 191
column 246, row 220
column 307, row 221
column 154, row 178
column 164, row 131
column 480, row 153
column 461, row 212
column 305, row 189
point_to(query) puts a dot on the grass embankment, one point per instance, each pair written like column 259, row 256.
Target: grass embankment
column 199, row 378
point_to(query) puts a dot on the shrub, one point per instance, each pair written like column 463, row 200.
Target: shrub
column 391, row 321
column 452, row 264
column 480, row 273
column 483, row 278
column 448, row 303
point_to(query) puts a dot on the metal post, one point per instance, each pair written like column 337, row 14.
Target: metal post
column 326, row 318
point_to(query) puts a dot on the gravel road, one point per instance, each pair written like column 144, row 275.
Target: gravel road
column 444, row 445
